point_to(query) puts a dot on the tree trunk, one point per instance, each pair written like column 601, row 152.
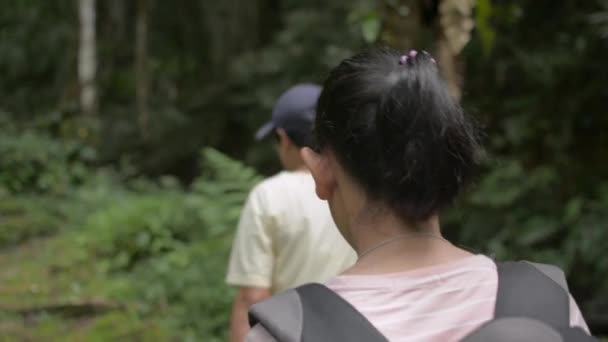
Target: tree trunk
column 451, row 67
column 87, row 64
column 117, row 10
column 404, row 26
column 455, row 26
column 141, row 70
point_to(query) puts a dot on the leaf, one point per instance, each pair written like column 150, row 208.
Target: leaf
column 482, row 21
column 573, row 210
column 370, row 27
column 537, row 230
column 143, row 240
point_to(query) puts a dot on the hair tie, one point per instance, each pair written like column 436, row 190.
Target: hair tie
column 431, row 57
column 404, row 58
column 412, row 54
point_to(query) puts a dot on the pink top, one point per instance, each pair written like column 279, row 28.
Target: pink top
column 439, row 303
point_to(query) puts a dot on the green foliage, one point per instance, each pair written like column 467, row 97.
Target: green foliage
column 175, row 245
column 157, row 247
column 140, row 227
column 148, row 224
column 35, row 163
column 187, row 285
column 534, row 75
column 517, row 214
column 37, row 175
column 120, row 326
column 114, row 326
column 35, row 63
column 543, row 196
column 600, row 18
column 25, row 217
column 44, row 180
column 483, row 14
column 221, row 191
column 293, row 53
column 214, row 70
column 189, row 282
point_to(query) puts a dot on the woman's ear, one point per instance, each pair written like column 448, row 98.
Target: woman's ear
column 321, row 171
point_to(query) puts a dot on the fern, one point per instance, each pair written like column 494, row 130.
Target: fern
column 148, row 224
column 196, row 290
column 228, row 175
column 24, row 217
column 600, row 18
column 221, row 191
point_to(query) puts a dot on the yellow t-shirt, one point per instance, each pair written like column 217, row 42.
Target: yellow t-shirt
column 286, row 237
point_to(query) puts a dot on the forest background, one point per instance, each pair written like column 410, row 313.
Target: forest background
column 127, row 150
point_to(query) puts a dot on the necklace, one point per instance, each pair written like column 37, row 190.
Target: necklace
column 400, row 237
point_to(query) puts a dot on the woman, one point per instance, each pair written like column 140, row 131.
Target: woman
column 394, row 150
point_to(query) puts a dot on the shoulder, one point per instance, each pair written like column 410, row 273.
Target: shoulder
column 268, row 185
column 476, row 269
column 282, row 181
column 271, row 190
column 286, row 177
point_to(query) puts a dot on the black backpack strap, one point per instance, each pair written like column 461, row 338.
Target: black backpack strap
column 312, row 313
column 534, row 291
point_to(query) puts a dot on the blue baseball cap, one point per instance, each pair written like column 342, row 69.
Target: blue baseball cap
column 294, row 111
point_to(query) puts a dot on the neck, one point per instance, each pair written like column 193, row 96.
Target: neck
column 293, row 168
column 374, row 227
column 295, row 163
column 386, row 244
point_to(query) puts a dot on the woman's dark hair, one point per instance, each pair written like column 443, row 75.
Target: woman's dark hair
column 394, row 127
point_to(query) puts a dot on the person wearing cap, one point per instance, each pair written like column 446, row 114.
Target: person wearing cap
column 286, row 236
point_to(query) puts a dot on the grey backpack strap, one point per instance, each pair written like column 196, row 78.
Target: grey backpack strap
column 280, row 315
column 328, row 317
column 555, row 273
column 313, row 313
column 534, row 291
column 514, row 329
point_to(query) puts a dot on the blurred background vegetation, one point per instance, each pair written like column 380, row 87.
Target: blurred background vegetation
column 117, row 207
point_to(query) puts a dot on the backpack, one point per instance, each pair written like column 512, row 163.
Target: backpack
column 532, row 304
